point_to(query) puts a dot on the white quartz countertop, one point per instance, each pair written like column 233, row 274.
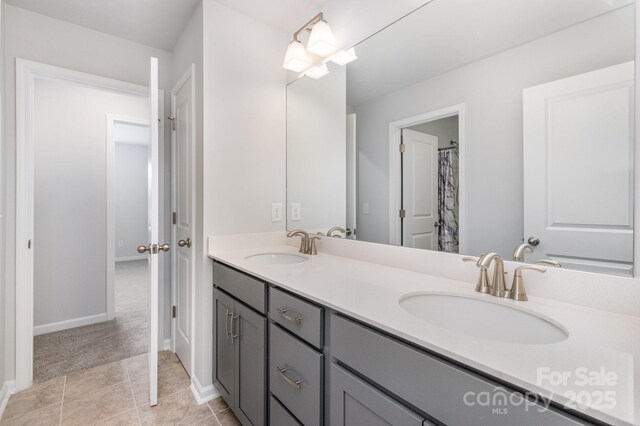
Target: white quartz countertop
column 599, row 359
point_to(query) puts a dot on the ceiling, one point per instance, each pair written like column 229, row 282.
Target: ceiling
column 131, row 133
column 285, row 15
column 447, row 34
column 155, row 23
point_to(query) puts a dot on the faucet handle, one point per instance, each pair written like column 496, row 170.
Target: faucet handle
column 517, row 291
column 483, row 285
column 470, row 259
column 549, row 262
column 312, row 244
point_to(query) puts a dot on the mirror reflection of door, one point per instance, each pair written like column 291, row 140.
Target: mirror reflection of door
column 578, row 193
column 429, row 185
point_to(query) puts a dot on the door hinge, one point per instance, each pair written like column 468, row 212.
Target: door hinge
column 174, row 217
column 29, row 244
column 402, row 213
column 403, row 147
column 172, row 120
column 173, row 311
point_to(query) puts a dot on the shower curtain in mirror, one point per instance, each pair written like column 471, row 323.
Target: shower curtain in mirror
column 448, row 200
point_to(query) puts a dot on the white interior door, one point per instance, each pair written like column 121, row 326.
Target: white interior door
column 154, row 231
column 578, row 170
column 182, row 146
column 351, row 176
column 420, row 190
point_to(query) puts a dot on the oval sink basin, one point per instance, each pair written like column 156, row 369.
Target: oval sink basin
column 277, row 258
column 483, row 318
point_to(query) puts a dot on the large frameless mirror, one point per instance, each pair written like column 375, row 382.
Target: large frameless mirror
column 475, row 126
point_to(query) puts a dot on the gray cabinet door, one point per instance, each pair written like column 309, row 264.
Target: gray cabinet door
column 224, row 362
column 356, row 403
column 251, row 372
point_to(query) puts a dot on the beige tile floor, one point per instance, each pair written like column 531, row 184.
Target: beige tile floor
column 116, row 394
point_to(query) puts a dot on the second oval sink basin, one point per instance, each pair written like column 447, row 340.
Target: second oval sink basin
column 486, row 319
column 277, row 258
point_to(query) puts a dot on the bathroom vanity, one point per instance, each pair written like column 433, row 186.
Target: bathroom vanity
column 325, row 340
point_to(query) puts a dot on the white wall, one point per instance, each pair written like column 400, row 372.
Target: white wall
column 70, row 201
column 131, row 199
column 39, row 38
column 244, row 142
column 316, row 151
column 492, row 92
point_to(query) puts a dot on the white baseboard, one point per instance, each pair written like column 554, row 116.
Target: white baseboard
column 203, row 394
column 72, row 323
column 128, row 258
column 8, row 389
column 166, row 346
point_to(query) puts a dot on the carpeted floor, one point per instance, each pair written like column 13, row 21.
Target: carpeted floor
column 63, row 352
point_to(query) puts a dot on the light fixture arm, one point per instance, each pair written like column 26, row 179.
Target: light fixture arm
column 309, row 25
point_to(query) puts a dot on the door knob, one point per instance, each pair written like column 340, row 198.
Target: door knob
column 144, row 249
column 534, row 241
column 183, row 243
column 164, row 247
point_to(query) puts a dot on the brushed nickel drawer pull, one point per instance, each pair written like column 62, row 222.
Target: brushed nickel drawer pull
column 226, row 323
column 286, row 315
column 293, row 383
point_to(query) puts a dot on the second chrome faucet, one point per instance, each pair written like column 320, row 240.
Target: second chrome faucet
column 307, row 243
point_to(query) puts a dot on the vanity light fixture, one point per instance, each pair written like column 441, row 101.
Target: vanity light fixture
column 321, row 43
column 344, row 57
column 296, row 59
column 317, row 72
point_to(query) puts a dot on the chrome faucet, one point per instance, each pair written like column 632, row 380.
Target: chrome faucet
column 521, row 250
column 304, row 239
column 307, row 243
column 334, row 229
column 498, row 286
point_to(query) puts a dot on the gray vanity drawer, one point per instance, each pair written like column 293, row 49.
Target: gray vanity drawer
column 356, row 403
column 296, row 315
column 279, row 416
column 431, row 384
column 246, row 288
column 301, row 363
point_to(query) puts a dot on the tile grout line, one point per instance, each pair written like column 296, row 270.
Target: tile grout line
column 135, row 405
column 64, row 386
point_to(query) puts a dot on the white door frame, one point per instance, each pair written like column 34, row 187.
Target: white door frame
column 395, row 202
column 27, row 72
column 112, row 119
column 190, row 74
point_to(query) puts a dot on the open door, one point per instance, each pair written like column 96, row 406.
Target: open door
column 152, row 247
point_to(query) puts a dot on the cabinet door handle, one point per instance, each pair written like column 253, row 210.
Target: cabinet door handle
column 226, row 323
column 286, row 315
column 232, row 335
column 293, row 383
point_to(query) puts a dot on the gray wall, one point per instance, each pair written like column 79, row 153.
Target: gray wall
column 445, row 129
column 70, row 248
column 131, row 193
column 3, row 266
column 492, row 92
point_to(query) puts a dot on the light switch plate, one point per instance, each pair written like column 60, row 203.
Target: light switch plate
column 296, row 211
column 365, row 208
column 276, row 212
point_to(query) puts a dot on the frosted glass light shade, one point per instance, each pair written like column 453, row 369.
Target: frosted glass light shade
column 344, row 57
column 296, row 59
column 318, row 72
column 321, row 41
